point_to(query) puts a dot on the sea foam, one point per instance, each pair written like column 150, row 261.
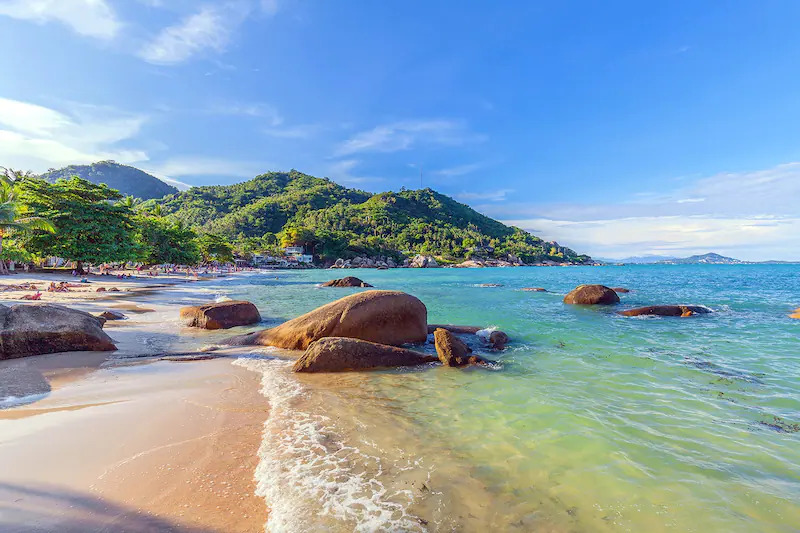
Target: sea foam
column 311, row 479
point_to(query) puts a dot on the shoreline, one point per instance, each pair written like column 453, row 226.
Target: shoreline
column 143, row 444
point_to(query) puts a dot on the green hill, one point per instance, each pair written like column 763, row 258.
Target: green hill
column 335, row 221
column 127, row 180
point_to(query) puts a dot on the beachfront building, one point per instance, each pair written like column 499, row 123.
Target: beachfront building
column 298, row 254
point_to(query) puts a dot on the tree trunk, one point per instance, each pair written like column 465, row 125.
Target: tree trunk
column 3, row 269
column 79, row 267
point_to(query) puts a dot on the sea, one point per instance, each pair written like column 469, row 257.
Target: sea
column 589, row 421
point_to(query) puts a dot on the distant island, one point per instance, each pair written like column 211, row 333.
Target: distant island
column 710, row 258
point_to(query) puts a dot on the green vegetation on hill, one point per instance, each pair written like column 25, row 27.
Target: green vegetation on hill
column 282, row 208
column 94, row 223
column 127, row 180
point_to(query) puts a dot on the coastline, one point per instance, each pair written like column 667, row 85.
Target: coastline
column 143, row 445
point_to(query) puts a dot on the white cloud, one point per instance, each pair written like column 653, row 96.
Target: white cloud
column 342, row 172
column 300, row 131
column 92, row 18
column 209, row 28
column 497, row 195
column 407, row 134
column 187, row 166
column 34, row 137
column 257, row 110
column 750, row 215
column 460, row 170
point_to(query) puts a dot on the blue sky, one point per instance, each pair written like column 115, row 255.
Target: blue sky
column 616, row 128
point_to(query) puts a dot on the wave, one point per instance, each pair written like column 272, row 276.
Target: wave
column 311, row 479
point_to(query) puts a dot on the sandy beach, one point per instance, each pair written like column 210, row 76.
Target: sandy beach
column 93, row 443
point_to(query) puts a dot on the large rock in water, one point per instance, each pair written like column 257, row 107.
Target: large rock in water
column 591, row 295
column 385, row 317
column 667, row 310
column 337, row 354
column 453, row 352
column 348, row 281
column 39, row 328
column 220, row 315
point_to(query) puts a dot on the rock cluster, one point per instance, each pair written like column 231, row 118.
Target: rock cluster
column 384, row 317
column 473, row 262
column 40, row 328
column 220, row 315
column 421, row 261
column 452, row 351
column 365, row 262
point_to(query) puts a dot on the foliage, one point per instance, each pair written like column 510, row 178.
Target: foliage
column 89, row 227
column 214, row 248
column 12, row 221
column 128, row 180
column 164, row 240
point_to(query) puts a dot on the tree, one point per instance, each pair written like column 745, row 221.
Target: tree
column 11, row 220
column 89, row 226
column 163, row 240
column 214, row 248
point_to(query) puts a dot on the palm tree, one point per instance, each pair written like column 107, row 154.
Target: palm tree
column 130, row 202
column 10, row 220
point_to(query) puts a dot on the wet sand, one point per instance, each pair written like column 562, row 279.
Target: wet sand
column 97, row 442
column 161, row 446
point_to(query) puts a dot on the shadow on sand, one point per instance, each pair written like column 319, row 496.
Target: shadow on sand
column 41, row 508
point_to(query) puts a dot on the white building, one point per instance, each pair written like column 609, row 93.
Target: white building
column 297, row 253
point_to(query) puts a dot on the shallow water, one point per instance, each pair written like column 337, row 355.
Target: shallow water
column 594, row 422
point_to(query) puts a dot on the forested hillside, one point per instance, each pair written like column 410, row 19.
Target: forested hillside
column 127, row 180
column 334, row 221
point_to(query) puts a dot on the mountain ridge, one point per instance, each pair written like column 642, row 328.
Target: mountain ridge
column 128, row 180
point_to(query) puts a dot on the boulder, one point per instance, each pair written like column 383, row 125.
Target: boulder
column 666, row 310
column 620, row 290
column 423, row 261
column 40, row 328
column 453, row 352
column 348, row 281
column 534, row 289
column 112, row 315
column 385, row 317
column 337, row 354
column 498, row 340
column 220, row 315
column 591, row 295
column 100, row 289
column 339, row 263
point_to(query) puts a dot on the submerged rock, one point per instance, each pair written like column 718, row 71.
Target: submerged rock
column 620, row 290
column 348, row 281
column 534, row 289
column 337, row 354
column 454, row 329
column 666, row 310
column 591, row 295
column 220, row 315
column 498, row 340
column 452, row 351
column 112, row 315
column 385, row 317
column 40, row 328
column 492, row 285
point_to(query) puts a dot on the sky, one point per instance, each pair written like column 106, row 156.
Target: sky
column 616, row 128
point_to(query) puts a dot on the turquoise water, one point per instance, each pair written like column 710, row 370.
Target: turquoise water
column 594, row 422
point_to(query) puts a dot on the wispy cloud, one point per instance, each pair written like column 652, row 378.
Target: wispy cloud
column 496, row 195
column 342, row 172
column 459, row 170
column 407, row 134
column 186, row 166
column 36, row 137
column 749, row 214
column 92, row 18
column 300, row 131
column 209, row 28
column 257, row 110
